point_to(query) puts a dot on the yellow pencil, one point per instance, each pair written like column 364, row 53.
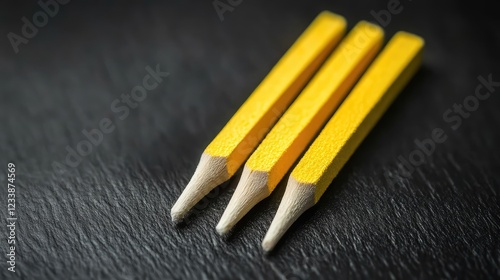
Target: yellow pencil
column 234, row 143
column 361, row 110
column 290, row 136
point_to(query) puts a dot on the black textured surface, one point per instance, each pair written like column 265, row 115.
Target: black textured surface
column 109, row 216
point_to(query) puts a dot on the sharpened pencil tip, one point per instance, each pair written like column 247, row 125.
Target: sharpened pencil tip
column 251, row 189
column 297, row 199
column 176, row 217
column 210, row 173
column 222, row 229
column 273, row 235
column 268, row 244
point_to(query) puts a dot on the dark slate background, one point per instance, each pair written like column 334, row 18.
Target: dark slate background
column 109, row 216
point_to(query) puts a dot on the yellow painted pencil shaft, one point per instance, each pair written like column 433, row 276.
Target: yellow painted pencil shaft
column 300, row 123
column 361, row 110
column 256, row 116
column 290, row 136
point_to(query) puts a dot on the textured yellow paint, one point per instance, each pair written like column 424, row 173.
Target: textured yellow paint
column 256, row 116
column 300, row 123
column 360, row 111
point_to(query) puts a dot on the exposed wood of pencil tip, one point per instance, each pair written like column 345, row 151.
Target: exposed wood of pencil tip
column 244, row 199
column 210, row 173
column 297, row 199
